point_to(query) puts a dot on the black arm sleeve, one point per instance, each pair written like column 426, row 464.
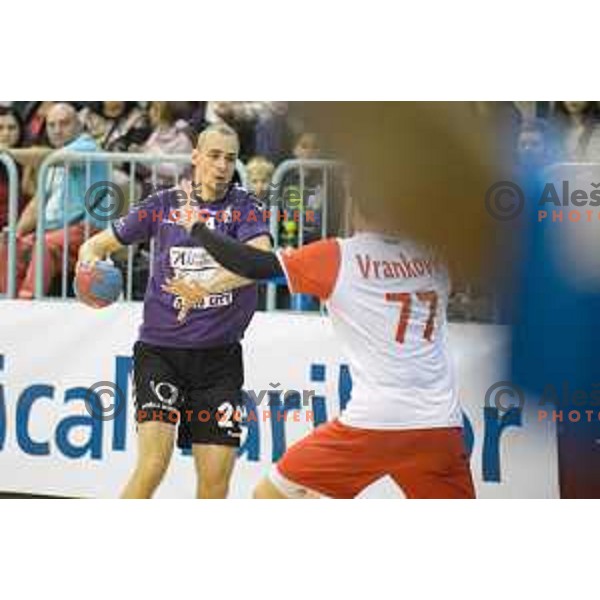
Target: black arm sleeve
column 235, row 256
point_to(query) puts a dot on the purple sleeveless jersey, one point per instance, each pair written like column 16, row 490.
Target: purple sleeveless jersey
column 220, row 318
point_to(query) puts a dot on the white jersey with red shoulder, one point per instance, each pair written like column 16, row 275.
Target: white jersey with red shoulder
column 387, row 301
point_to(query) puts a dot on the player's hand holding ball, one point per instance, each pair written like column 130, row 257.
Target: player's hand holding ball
column 98, row 284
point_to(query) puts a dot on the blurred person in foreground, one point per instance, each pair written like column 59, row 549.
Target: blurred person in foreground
column 556, row 296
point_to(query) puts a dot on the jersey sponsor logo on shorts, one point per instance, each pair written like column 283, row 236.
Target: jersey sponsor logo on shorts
column 165, row 391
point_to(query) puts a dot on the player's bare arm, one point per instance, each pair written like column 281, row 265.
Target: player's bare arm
column 192, row 292
column 97, row 248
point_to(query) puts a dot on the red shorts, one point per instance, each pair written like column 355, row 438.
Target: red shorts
column 339, row 461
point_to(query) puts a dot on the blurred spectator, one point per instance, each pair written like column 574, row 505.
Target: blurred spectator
column 575, row 123
column 259, row 172
column 11, row 128
column 36, row 145
column 65, row 205
column 302, row 196
column 11, row 138
column 302, row 191
column 167, row 137
column 533, row 146
column 116, row 126
column 256, row 123
column 527, row 109
column 472, row 304
column 190, row 115
column 307, row 146
column 593, row 148
column 34, row 119
column 272, row 132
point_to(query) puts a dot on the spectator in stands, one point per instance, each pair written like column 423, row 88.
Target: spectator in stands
column 35, row 146
column 11, row 128
column 190, row 116
column 303, row 194
column 167, row 137
column 116, row 126
column 307, row 146
column 259, row 172
column 273, row 132
column 34, row 118
column 311, row 199
column 65, row 204
column 11, row 138
column 533, row 146
column 576, row 123
column 255, row 123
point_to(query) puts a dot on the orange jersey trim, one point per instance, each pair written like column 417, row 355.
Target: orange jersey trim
column 312, row 269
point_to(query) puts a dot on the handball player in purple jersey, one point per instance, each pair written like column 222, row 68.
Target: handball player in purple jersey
column 188, row 370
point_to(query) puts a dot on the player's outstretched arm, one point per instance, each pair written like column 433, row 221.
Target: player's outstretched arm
column 227, row 280
column 192, row 292
column 246, row 260
column 312, row 269
column 98, row 247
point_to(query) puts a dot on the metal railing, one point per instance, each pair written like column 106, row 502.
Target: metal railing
column 113, row 161
column 11, row 232
column 280, row 202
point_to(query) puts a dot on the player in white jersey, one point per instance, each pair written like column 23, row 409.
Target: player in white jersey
column 387, row 301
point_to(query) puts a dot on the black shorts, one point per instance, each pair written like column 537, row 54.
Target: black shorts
column 200, row 390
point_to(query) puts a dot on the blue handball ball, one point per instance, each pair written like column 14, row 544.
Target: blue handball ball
column 98, row 286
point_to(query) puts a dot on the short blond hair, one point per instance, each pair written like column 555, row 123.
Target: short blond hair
column 221, row 128
column 261, row 167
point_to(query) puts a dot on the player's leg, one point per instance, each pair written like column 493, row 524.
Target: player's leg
column 155, row 449
column 157, row 401
column 214, row 467
column 212, row 426
column 267, row 490
column 436, row 467
column 334, row 461
column 211, row 419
